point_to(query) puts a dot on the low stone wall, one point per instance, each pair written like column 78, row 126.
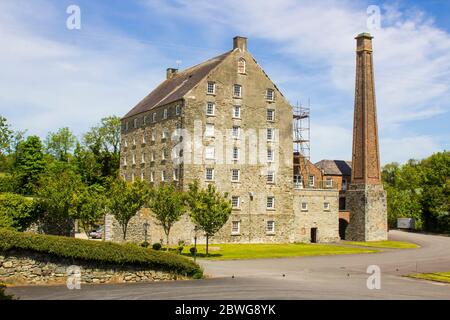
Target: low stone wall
column 25, row 268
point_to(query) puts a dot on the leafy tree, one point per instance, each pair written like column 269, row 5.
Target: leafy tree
column 167, row 204
column 6, row 135
column 125, row 200
column 61, row 143
column 209, row 210
column 16, row 212
column 89, row 206
column 55, row 198
column 29, row 164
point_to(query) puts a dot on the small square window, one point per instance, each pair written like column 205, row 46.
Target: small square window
column 163, row 175
column 269, row 134
column 270, row 115
column 270, row 156
column 210, row 109
column 236, row 132
column 326, row 206
column 270, row 203
column 209, row 174
column 235, row 153
column 329, row 183
column 175, row 174
column 237, row 91
column 270, row 226
column 237, row 112
column 235, row 202
column 270, row 95
column 235, row 175
column 270, row 177
column 211, row 87
column 235, row 227
column 304, row 206
column 311, row 181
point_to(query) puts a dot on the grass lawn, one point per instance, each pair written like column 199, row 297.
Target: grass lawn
column 260, row 251
column 436, row 276
column 384, row 244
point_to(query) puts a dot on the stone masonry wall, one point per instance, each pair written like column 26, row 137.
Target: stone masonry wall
column 25, row 268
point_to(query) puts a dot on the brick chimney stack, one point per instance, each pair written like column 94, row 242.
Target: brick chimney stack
column 240, row 43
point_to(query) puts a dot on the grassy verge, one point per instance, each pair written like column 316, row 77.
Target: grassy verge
column 384, row 244
column 261, row 251
column 436, row 276
column 96, row 251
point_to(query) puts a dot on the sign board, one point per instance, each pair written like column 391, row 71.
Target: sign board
column 406, row 223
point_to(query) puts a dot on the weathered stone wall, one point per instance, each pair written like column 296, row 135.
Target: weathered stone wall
column 25, row 268
column 368, row 212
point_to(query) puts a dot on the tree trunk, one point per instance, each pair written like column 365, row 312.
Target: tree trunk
column 167, row 238
column 207, row 242
column 124, row 229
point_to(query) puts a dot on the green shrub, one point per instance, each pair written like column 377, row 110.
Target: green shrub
column 157, row 246
column 96, row 251
column 180, row 249
column 16, row 212
column 193, row 250
column 145, row 244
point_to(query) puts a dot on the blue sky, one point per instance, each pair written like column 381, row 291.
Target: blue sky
column 53, row 77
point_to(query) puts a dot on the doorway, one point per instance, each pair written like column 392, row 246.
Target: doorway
column 313, row 235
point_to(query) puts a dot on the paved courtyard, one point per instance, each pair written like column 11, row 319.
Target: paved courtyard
column 326, row 277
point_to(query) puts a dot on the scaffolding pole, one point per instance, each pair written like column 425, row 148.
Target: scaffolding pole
column 302, row 145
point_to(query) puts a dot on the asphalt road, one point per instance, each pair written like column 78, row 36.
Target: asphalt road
column 326, row 277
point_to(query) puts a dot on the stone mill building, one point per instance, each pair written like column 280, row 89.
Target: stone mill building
column 224, row 122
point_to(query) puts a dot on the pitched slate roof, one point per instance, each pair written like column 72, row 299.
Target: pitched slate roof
column 175, row 88
column 335, row 167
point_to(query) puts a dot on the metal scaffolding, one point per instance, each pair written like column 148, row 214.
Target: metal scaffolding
column 302, row 146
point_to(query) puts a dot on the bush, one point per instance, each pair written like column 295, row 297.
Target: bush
column 193, row 250
column 102, row 252
column 180, row 249
column 16, row 212
column 157, row 246
column 145, row 244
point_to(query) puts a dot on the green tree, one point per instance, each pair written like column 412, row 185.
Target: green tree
column 55, row 198
column 167, row 204
column 209, row 210
column 6, row 136
column 29, row 164
column 61, row 143
column 89, row 206
column 16, row 212
column 125, row 200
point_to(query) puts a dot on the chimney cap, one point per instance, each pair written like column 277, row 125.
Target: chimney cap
column 364, row 35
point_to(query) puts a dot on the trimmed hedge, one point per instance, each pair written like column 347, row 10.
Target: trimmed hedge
column 96, row 251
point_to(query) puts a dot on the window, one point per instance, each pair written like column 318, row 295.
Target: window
column 210, row 153
column 329, row 183
column 270, row 203
column 165, row 134
column 143, row 157
column 326, row 206
column 153, row 155
column 344, row 184
column 135, row 121
column 236, row 132
column 270, row 156
column 237, row 90
column 125, row 143
column 175, row 174
column 163, row 175
column 210, row 109
column 235, row 153
column 177, row 109
column 235, row 227
column 165, row 114
column 241, row 65
column 209, row 174
column 134, row 141
column 125, row 160
column 154, row 117
column 237, row 112
column 132, row 177
column 211, row 87
column 270, row 115
column 235, row 202
column 133, row 161
column 209, row 132
column 270, row 226
column 298, row 181
column 144, row 139
column 304, row 206
column 142, row 175
column 235, row 175
column 144, row 120
column 126, row 126
column 165, row 154
column 311, row 181
column 270, row 176
column 270, row 95
column 342, row 203
column 269, row 134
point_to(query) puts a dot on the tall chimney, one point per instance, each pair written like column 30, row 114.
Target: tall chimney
column 170, row 72
column 365, row 197
column 240, row 43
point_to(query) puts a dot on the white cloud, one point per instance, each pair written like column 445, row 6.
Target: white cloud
column 405, row 148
